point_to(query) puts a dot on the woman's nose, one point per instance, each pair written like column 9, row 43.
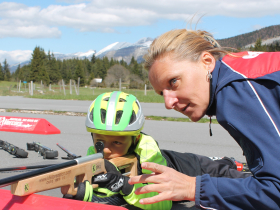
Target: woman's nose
column 169, row 99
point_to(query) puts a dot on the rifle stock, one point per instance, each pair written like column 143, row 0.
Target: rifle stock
column 65, row 177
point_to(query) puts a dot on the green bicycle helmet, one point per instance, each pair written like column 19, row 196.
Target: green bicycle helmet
column 116, row 114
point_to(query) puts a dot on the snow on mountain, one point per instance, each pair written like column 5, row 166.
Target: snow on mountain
column 114, row 46
column 147, row 41
column 125, row 51
column 266, row 42
column 86, row 54
column 117, row 51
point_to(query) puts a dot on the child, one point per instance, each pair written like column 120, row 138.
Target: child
column 116, row 119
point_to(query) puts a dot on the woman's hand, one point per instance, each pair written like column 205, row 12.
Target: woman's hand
column 170, row 184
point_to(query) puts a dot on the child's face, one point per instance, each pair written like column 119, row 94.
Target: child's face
column 114, row 146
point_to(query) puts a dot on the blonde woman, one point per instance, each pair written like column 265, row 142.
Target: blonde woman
column 197, row 77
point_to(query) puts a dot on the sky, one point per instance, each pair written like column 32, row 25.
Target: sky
column 70, row 26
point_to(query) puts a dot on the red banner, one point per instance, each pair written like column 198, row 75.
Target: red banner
column 27, row 125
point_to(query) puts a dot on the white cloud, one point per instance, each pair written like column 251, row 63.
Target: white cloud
column 16, row 56
column 19, row 20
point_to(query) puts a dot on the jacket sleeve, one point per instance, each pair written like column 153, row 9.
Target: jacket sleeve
column 148, row 151
column 134, row 199
column 249, row 111
column 91, row 150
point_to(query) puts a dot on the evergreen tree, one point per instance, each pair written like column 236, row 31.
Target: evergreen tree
column 20, row 74
column 112, row 62
column 106, row 63
column 135, row 68
column 80, row 73
column 100, row 69
column 53, row 72
column 258, row 45
column 6, row 70
column 1, row 73
column 123, row 63
column 93, row 59
column 43, row 75
column 132, row 61
column 277, row 47
column 26, row 72
column 16, row 73
column 38, row 70
column 88, row 66
column 91, row 77
column 64, row 72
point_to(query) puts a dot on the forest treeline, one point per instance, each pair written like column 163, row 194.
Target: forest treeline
column 46, row 68
column 242, row 40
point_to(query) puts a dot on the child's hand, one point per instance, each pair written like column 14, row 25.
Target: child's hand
column 84, row 192
column 113, row 180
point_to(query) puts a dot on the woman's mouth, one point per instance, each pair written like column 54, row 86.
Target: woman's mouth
column 185, row 108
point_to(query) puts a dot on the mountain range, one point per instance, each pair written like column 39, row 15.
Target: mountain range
column 125, row 50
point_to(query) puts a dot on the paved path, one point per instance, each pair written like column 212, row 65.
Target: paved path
column 19, row 102
column 178, row 136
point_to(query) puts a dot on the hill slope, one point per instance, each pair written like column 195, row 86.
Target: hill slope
column 250, row 38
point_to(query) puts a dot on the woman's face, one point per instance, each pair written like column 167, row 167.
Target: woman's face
column 183, row 84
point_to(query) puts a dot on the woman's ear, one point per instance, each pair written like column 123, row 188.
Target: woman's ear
column 208, row 61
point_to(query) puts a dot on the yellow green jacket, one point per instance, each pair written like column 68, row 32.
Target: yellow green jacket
column 146, row 150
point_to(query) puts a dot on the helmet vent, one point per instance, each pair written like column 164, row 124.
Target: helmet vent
column 122, row 100
column 118, row 117
column 91, row 115
column 106, row 99
column 132, row 118
column 103, row 115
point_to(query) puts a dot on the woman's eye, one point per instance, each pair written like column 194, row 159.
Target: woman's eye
column 118, row 143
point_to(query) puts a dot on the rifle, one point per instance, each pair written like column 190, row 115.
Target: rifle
column 46, row 152
column 64, row 175
column 14, row 150
column 70, row 155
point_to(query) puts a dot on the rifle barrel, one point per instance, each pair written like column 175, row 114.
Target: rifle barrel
column 25, row 167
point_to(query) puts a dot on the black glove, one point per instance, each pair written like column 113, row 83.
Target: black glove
column 84, row 192
column 114, row 181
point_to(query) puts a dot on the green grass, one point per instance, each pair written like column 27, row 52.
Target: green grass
column 203, row 120
column 10, row 88
column 57, row 92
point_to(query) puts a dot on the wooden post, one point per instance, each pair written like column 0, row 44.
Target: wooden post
column 31, row 86
column 75, row 87
column 70, row 83
column 145, row 92
column 78, row 86
column 120, row 84
column 63, row 87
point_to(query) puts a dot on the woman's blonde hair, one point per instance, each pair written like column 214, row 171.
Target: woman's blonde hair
column 183, row 44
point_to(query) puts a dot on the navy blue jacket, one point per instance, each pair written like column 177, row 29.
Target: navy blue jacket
column 245, row 98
